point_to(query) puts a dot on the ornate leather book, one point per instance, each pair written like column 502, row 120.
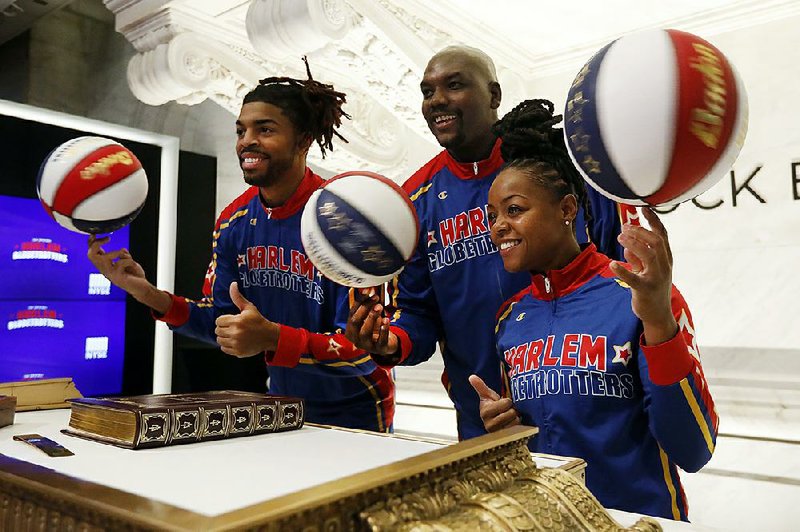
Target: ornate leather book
column 143, row 421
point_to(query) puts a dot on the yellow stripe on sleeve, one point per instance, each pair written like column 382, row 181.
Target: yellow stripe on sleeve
column 339, row 364
column 676, row 513
column 504, row 316
column 698, row 414
column 421, row 191
column 237, row 214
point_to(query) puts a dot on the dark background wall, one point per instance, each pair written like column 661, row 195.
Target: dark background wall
column 73, row 61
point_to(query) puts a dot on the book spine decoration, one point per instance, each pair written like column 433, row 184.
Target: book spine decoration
column 184, row 426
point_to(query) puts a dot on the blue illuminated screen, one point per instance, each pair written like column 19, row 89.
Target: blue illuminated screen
column 60, row 317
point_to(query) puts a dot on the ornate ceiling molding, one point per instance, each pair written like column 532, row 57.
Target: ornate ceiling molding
column 282, row 29
column 374, row 50
column 179, row 59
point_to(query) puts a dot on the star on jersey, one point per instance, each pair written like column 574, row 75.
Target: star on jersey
column 334, row 346
column 432, row 238
column 241, row 260
column 630, row 215
column 622, row 353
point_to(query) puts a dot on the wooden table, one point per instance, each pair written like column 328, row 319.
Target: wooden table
column 317, row 478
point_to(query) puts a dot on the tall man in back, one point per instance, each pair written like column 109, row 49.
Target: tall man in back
column 455, row 283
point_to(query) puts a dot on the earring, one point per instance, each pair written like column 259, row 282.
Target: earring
column 566, row 222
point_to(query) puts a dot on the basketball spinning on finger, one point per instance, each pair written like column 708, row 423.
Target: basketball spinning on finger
column 92, row 185
column 655, row 118
column 359, row 229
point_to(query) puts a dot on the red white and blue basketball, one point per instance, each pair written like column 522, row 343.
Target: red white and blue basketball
column 655, row 118
column 92, row 185
column 359, row 229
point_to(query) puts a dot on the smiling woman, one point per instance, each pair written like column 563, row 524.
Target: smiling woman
column 592, row 339
column 534, row 227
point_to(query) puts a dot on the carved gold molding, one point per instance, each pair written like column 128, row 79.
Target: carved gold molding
column 487, row 483
column 506, row 492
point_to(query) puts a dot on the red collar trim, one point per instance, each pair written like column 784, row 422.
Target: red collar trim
column 586, row 265
column 478, row 169
column 297, row 200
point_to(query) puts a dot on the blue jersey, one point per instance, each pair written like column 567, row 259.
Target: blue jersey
column 260, row 248
column 451, row 289
column 578, row 369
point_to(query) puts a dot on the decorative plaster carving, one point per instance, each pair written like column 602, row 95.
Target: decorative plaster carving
column 377, row 141
column 374, row 50
column 284, row 29
column 188, row 69
column 369, row 66
column 434, row 37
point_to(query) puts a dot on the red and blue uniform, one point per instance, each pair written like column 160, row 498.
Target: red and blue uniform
column 260, row 248
column 578, row 369
column 451, row 289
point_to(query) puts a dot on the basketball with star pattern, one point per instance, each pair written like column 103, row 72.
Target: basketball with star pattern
column 359, row 229
column 655, row 117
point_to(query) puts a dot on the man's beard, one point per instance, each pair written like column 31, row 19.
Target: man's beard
column 449, row 141
column 276, row 169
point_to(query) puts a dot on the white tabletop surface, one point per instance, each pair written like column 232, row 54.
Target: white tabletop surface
column 242, row 471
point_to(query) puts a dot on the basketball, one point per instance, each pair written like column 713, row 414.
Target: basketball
column 655, row 118
column 359, row 229
column 92, row 185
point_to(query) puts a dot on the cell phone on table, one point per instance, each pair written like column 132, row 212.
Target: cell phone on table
column 48, row 446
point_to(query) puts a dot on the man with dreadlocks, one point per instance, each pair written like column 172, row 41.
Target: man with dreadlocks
column 262, row 293
column 600, row 354
column 450, row 291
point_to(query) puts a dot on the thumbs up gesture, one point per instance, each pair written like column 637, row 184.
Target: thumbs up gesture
column 496, row 412
column 247, row 333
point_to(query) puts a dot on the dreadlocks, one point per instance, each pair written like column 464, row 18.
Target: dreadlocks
column 531, row 144
column 313, row 107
